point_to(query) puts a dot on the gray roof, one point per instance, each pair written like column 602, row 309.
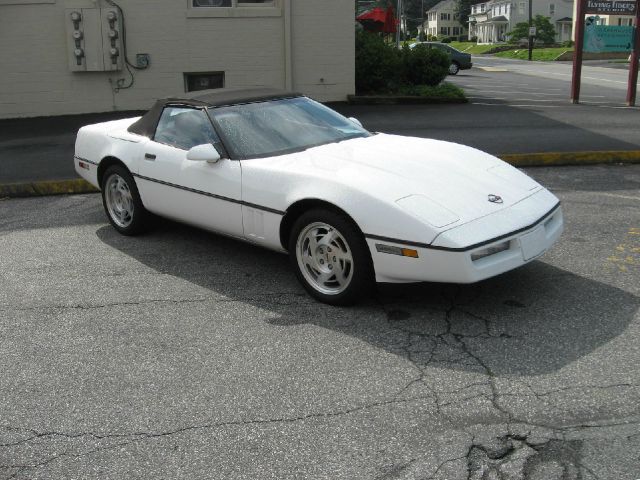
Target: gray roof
column 438, row 6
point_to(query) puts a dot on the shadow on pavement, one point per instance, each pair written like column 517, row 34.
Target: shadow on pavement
column 531, row 321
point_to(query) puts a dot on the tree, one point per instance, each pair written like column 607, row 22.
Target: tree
column 463, row 9
column 544, row 30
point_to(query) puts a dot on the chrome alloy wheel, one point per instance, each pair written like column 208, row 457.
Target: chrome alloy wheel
column 324, row 258
column 119, row 200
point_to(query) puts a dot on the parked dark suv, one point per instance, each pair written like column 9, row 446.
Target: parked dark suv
column 459, row 60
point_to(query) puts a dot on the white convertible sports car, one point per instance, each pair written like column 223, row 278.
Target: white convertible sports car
column 282, row 171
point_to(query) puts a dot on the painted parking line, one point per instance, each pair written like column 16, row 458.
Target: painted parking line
column 621, row 107
column 540, row 105
column 518, row 93
column 585, row 77
column 516, row 99
column 512, row 105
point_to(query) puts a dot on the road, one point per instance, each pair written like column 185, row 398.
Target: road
column 516, row 107
column 182, row 354
column 522, row 84
column 594, row 74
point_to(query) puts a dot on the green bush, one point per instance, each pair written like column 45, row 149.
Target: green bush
column 424, row 66
column 382, row 68
column 378, row 67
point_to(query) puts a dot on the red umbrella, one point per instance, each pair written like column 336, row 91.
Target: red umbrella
column 390, row 21
column 374, row 19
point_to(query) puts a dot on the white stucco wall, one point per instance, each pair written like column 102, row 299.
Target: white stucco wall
column 251, row 49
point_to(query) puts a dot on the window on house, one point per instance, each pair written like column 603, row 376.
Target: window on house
column 482, row 7
column 521, row 8
column 203, row 81
column 211, row 3
column 230, row 3
column 552, row 9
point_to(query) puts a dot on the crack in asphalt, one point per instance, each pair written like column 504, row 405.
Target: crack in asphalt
column 141, row 436
column 268, row 296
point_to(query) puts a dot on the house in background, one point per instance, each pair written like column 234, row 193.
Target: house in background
column 491, row 21
column 68, row 56
column 443, row 19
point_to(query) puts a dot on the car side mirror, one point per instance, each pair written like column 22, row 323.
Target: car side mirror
column 203, row 153
column 356, row 121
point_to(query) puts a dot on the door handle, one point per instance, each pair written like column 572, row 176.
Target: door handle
column 149, row 156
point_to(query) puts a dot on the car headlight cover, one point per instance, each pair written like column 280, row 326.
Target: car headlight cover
column 428, row 210
column 492, row 250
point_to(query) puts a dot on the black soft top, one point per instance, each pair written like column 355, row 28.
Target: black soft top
column 220, row 97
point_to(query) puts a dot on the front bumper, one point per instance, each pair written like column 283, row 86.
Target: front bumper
column 461, row 265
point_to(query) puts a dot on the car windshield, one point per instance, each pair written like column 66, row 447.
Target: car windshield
column 277, row 127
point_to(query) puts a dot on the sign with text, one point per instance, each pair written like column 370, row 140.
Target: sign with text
column 606, row 7
column 607, row 38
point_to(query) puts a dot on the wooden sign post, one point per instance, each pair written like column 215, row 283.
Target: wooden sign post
column 633, row 64
column 577, row 52
column 605, row 7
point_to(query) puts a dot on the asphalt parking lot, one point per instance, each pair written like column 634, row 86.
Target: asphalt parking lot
column 182, row 354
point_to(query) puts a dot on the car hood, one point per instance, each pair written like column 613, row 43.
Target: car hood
column 451, row 181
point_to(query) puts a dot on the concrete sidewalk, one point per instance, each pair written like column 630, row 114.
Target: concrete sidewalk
column 36, row 155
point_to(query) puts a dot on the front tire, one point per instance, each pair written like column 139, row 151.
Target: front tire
column 454, row 68
column 330, row 257
column 122, row 203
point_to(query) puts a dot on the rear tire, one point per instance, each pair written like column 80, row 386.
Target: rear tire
column 122, row 203
column 330, row 257
column 454, row 68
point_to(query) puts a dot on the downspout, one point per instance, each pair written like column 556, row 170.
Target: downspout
column 288, row 70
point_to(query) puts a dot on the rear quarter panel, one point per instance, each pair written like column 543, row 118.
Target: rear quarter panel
column 96, row 142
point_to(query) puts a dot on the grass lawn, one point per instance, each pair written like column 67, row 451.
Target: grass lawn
column 542, row 54
column 471, row 47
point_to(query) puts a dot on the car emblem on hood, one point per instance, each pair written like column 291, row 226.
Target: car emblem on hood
column 495, row 198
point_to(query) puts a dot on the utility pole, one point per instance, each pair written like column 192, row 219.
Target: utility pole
column 530, row 25
column 422, row 21
column 398, row 24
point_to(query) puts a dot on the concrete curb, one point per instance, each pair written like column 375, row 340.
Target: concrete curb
column 61, row 187
column 571, row 158
column 49, row 187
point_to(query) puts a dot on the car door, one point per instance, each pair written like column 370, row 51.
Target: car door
column 204, row 194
